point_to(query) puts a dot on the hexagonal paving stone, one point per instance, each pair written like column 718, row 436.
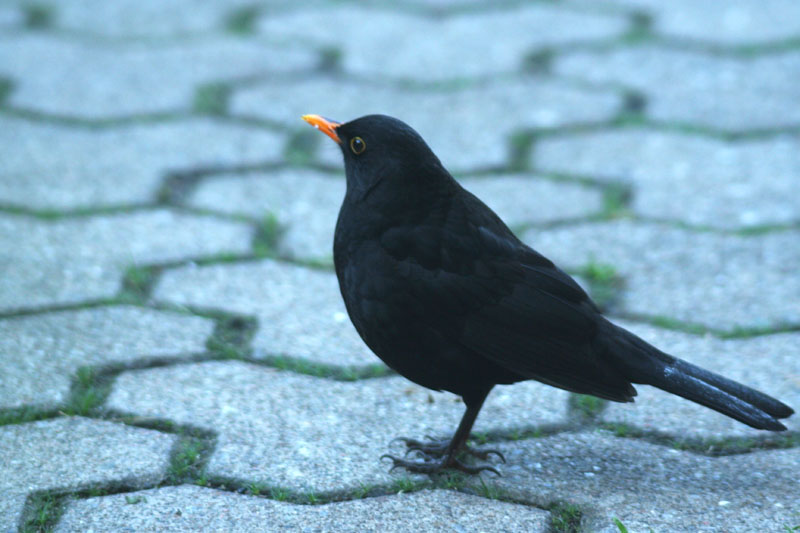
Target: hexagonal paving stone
column 40, row 354
column 59, row 167
column 736, row 22
column 721, row 281
column 75, row 259
column 699, row 89
column 209, row 509
column 480, row 118
column 313, row 434
column 130, row 18
column 750, row 361
column 654, row 488
column 75, row 453
column 80, row 79
column 300, row 310
column 687, row 178
column 306, row 202
column 424, row 48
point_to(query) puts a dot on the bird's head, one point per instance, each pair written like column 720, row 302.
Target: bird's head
column 382, row 150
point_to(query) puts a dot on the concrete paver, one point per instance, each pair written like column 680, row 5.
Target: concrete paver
column 76, row 259
column 101, row 103
column 79, row 79
column 672, row 174
column 40, row 354
column 60, row 167
column 720, row 281
column 312, row 434
column 722, row 92
column 305, row 203
column 280, row 295
column 460, row 48
column 132, row 19
column 75, row 453
column 649, row 487
column 189, row 508
column 737, row 22
column 480, row 118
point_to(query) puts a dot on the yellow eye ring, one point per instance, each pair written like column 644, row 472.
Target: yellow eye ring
column 357, row 145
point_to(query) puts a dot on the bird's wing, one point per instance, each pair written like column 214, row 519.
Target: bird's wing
column 468, row 278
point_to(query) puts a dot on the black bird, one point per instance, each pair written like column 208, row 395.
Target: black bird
column 445, row 294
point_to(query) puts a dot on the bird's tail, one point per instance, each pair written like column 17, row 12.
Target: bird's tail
column 646, row 364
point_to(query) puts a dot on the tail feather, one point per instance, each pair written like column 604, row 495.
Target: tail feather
column 643, row 363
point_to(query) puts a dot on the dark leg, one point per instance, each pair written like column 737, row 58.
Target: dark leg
column 448, row 453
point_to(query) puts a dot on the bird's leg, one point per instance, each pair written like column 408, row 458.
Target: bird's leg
column 448, row 453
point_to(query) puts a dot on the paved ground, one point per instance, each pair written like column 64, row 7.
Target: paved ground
column 174, row 354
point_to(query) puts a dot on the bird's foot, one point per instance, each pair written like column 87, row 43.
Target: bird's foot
column 434, row 448
column 434, row 467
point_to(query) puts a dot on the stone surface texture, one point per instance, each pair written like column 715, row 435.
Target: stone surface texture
column 166, row 229
column 76, row 453
column 207, row 509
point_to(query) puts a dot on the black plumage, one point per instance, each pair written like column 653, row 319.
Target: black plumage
column 444, row 293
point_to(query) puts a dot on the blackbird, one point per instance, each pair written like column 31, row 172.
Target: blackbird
column 445, row 294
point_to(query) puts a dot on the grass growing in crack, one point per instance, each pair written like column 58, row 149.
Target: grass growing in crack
column 616, row 199
column 6, row 86
column 242, row 21
column 37, row 16
column 138, row 283
column 565, row 518
column 620, row 525
column 521, row 149
column 406, row 484
column 585, row 406
column 604, row 282
column 188, row 461
column 539, row 62
column 212, row 99
column 42, row 513
column 301, row 147
column 330, row 59
column 231, row 337
column 321, row 370
column 268, row 236
column 89, row 390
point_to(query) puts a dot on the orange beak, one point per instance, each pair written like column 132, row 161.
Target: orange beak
column 328, row 127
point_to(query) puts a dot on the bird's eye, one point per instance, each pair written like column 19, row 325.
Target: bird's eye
column 357, row 145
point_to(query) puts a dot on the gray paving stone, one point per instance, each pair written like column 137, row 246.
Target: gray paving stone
column 75, row 453
column 312, row 434
column 735, row 22
column 208, row 509
column 425, row 48
column 305, row 202
column 687, row 178
column 750, row 361
column 480, row 118
column 76, row 259
column 300, row 311
column 10, row 16
column 723, row 92
column 721, row 281
column 520, row 199
column 40, row 354
column 60, row 167
column 130, row 18
column 654, row 488
column 81, row 79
